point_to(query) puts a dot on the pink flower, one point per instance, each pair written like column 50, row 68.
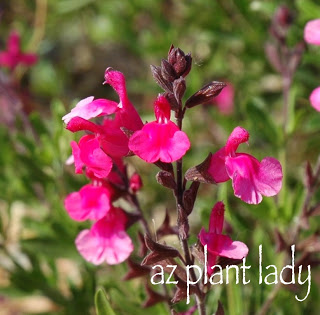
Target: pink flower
column 89, row 203
column 312, row 32
column 107, row 240
column 13, row 55
column 161, row 139
column 110, row 134
column 126, row 115
column 217, row 243
column 89, row 108
column 315, row 99
column 250, row 178
column 225, row 100
column 88, row 153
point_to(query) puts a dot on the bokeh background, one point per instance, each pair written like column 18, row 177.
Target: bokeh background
column 76, row 40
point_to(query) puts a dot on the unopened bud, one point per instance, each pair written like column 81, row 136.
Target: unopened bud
column 206, row 94
column 135, row 182
column 166, row 179
column 157, row 75
column 179, row 88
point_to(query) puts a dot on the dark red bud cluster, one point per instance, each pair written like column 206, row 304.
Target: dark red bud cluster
column 180, row 62
column 170, row 75
column 283, row 16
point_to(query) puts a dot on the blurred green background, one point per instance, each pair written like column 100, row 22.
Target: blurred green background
column 76, row 40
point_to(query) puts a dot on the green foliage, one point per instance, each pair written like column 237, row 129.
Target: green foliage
column 102, row 304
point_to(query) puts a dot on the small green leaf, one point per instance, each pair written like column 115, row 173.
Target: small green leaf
column 102, row 304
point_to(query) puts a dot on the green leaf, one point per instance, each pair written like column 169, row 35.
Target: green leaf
column 102, row 304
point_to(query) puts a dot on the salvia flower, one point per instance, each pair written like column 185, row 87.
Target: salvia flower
column 110, row 134
column 88, row 153
column 107, row 240
column 161, row 139
column 315, row 99
column 217, row 243
column 250, row 178
column 312, row 32
column 89, row 203
column 13, row 56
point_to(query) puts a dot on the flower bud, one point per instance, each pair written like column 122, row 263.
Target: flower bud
column 179, row 88
column 283, row 17
column 206, row 94
column 135, row 182
column 180, row 62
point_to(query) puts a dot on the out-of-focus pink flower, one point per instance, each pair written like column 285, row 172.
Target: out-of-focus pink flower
column 225, row 100
column 107, row 240
column 135, row 182
column 315, row 99
column 312, row 32
column 90, row 108
column 250, row 178
column 217, row 243
column 88, row 153
column 89, row 203
column 161, row 139
column 13, row 55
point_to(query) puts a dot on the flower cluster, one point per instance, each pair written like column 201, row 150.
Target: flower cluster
column 99, row 154
column 312, row 36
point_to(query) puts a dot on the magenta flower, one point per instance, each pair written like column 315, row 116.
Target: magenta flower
column 217, row 243
column 126, row 115
column 250, row 178
column 312, row 32
column 88, row 153
column 315, row 99
column 225, row 100
column 161, row 139
column 107, row 240
column 13, row 55
column 110, row 134
column 89, row 203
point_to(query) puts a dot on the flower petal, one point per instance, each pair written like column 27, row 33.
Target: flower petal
column 96, row 161
column 217, row 218
column 315, row 99
column 243, row 169
column 107, row 240
column 90, row 203
column 217, row 168
column 312, row 32
column 238, row 135
column 159, row 141
column 89, row 108
column 269, row 179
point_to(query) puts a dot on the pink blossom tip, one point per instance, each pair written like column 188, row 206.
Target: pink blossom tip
column 312, row 32
column 315, row 99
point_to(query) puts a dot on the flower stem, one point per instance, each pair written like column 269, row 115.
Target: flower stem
column 200, row 297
